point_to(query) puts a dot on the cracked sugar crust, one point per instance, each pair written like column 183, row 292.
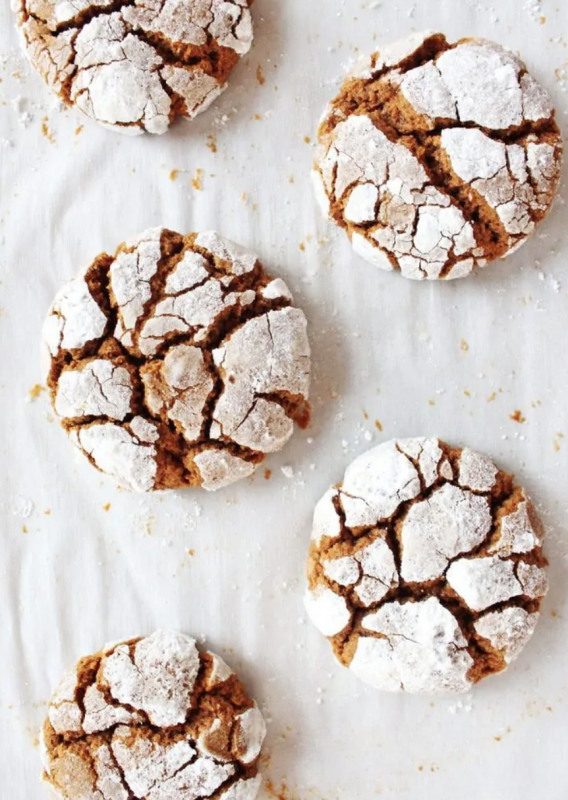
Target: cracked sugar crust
column 177, row 362
column 152, row 718
column 425, row 569
column 135, row 65
column 438, row 158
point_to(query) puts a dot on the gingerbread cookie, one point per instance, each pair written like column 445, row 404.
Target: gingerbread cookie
column 177, row 362
column 426, row 569
column 152, row 718
column 438, row 158
column 134, row 65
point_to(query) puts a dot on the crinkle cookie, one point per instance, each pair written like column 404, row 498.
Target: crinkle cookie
column 426, row 569
column 135, row 65
column 154, row 719
column 438, row 158
column 177, row 362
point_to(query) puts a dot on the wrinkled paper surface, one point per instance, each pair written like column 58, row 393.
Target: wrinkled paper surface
column 83, row 563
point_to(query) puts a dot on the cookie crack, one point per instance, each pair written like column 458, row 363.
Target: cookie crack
column 82, row 18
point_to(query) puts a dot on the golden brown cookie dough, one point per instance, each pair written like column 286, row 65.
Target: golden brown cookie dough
column 426, row 569
column 152, row 718
column 134, row 65
column 437, row 158
column 178, row 362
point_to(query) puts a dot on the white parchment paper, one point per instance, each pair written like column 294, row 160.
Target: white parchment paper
column 82, row 563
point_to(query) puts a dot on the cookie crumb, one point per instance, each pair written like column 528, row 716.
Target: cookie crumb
column 379, row 426
column 212, row 142
column 78, row 130
column 173, row 176
column 517, row 416
column 307, row 140
column 45, row 130
column 36, row 391
column 260, row 76
column 464, row 346
column 278, row 793
column 106, row 507
column 267, row 474
column 197, row 182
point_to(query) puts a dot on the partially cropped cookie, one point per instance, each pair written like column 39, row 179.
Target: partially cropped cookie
column 426, row 569
column 135, row 65
column 178, row 362
column 438, row 158
column 154, row 719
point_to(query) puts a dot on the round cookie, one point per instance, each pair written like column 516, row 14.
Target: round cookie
column 152, row 718
column 438, row 158
column 177, row 362
column 134, row 65
column 426, row 569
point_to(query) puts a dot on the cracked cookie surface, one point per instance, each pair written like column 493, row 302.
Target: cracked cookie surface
column 438, row 158
column 177, row 362
column 136, row 65
column 152, row 718
column 425, row 569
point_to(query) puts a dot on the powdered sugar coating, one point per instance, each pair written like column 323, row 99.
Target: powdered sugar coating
column 477, row 471
column 218, row 468
column 434, row 531
column 371, row 570
column 75, row 319
column 412, row 558
column 192, row 344
column 423, row 650
column 118, row 451
column 250, row 733
column 109, row 58
column 484, row 582
column 508, row 630
column 100, row 389
column 376, row 484
column 159, row 679
column 485, row 164
column 518, row 532
column 327, row 610
column 267, row 355
column 327, row 521
column 244, row 789
column 395, row 167
column 147, row 729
